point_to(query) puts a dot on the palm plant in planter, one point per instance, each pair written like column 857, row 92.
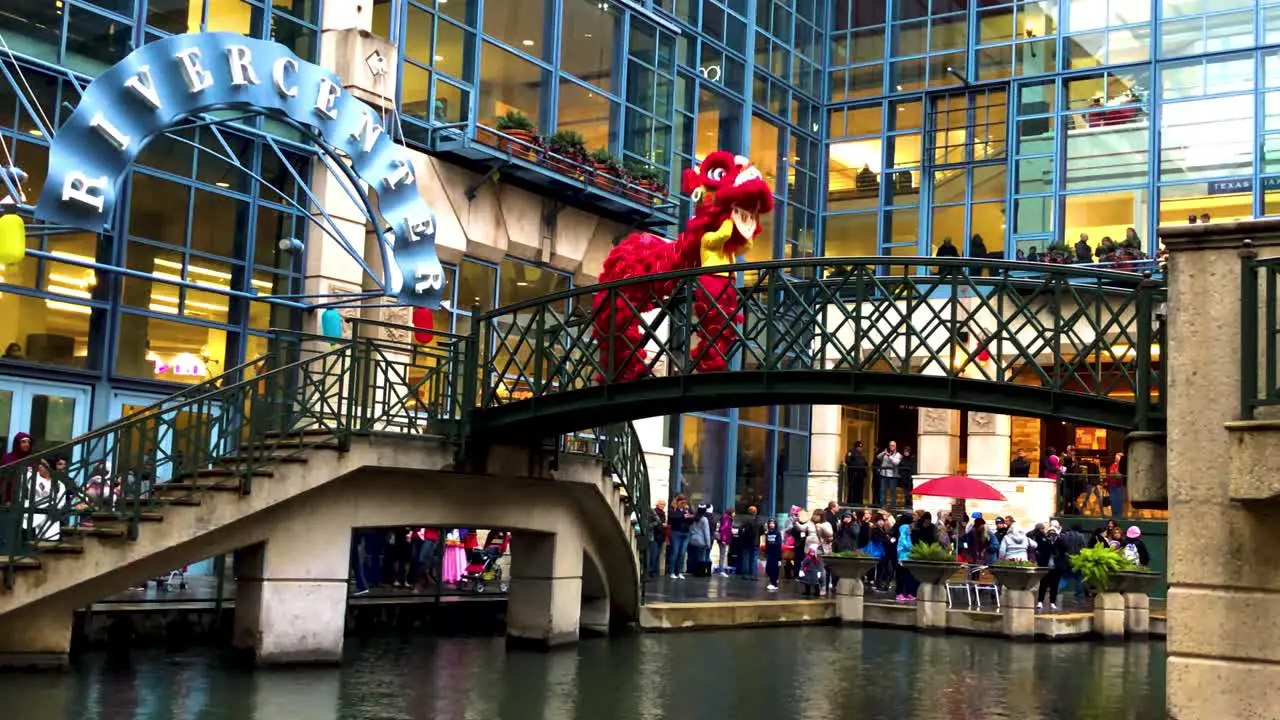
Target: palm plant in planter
column 608, row 170
column 515, row 125
column 930, row 563
column 1097, row 565
column 849, row 564
column 568, row 153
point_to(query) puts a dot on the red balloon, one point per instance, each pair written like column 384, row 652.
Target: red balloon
column 424, row 322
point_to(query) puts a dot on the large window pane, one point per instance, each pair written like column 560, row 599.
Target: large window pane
column 157, row 210
column 157, row 349
column 51, row 331
column 1106, row 215
column 587, row 112
column 705, row 443
column 508, row 83
column 518, row 23
column 587, row 41
column 219, row 224
column 853, row 174
column 752, row 481
column 850, row 235
column 1207, row 138
column 1178, row 202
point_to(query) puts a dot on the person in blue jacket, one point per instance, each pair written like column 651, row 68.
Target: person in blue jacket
column 772, row 553
column 907, row 584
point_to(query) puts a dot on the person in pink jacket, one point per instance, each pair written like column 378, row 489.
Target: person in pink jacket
column 724, row 536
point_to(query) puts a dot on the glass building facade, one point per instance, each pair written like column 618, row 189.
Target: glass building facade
column 886, row 126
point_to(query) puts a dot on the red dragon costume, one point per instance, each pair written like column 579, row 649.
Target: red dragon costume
column 729, row 196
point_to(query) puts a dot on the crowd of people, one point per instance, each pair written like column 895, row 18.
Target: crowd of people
column 683, row 538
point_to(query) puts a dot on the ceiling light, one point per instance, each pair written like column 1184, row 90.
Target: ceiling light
column 35, row 132
column 527, row 43
column 439, row 58
column 521, row 283
column 586, row 35
column 899, row 88
column 222, row 184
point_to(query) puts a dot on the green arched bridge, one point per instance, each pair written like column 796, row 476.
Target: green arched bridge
column 1059, row 341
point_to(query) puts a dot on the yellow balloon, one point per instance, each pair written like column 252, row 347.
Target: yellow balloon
column 13, row 239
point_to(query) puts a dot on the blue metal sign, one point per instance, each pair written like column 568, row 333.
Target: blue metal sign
column 160, row 84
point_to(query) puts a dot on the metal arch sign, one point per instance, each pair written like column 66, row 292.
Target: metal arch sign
column 165, row 81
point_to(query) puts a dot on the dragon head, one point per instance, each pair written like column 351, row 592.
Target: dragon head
column 723, row 187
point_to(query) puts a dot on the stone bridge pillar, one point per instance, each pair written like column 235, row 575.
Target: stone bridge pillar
column 291, row 592
column 544, row 599
column 1222, row 605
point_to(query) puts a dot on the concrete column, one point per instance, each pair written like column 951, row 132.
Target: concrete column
column 1222, row 613
column 825, row 455
column 939, row 442
column 931, row 607
column 1137, row 614
column 850, row 594
column 989, row 447
column 37, row 636
column 291, row 597
column 657, row 456
column 1109, row 616
column 1019, row 610
column 544, row 600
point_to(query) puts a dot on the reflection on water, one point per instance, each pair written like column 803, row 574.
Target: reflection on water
column 816, row 673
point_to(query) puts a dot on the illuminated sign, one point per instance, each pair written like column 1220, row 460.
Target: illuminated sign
column 711, row 73
column 164, row 82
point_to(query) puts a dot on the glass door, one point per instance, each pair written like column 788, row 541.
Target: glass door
column 170, row 444
column 51, row 413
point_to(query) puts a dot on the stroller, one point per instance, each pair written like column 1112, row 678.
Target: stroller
column 482, row 568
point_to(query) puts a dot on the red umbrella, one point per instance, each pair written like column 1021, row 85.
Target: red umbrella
column 959, row 486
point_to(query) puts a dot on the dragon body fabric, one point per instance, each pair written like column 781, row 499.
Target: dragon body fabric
column 729, row 196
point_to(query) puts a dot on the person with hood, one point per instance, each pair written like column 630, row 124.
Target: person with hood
column 976, row 547
column 724, row 538
column 1134, row 549
column 1016, row 544
column 8, row 484
column 1048, row 554
column 700, row 541
column 855, row 473
column 907, row 584
column 812, row 574
column 880, row 548
column 749, row 541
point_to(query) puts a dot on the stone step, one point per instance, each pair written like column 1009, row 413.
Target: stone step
column 25, row 563
column 225, row 473
column 267, row 460
column 102, row 531
column 191, row 487
column 109, row 517
column 60, row 547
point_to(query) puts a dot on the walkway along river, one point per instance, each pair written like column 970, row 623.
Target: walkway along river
column 819, row 673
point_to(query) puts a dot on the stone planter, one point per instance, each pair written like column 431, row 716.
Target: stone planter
column 849, row 567
column 931, row 602
column 1019, row 578
column 1133, row 582
column 929, row 572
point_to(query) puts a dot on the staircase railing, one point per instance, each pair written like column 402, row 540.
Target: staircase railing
column 308, row 392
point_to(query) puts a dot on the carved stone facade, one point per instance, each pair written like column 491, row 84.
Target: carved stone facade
column 981, row 422
column 936, row 421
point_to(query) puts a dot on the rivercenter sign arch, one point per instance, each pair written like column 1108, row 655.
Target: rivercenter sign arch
column 166, row 81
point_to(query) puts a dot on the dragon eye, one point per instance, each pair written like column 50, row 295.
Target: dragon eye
column 716, row 174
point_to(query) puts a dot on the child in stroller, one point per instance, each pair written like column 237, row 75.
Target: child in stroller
column 482, row 567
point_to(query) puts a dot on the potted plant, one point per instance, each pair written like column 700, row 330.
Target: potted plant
column 608, row 170
column 1018, row 574
column 930, row 563
column 1097, row 565
column 849, row 563
column 1133, row 578
column 650, row 179
column 567, row 153
column 515, row 125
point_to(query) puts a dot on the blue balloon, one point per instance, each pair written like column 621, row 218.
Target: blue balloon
column 331, row 323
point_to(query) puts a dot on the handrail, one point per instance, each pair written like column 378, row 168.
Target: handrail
column 1005, row 266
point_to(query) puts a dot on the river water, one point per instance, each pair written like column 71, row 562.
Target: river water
column 814, row 673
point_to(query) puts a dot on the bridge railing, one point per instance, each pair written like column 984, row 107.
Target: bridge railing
column 1259, row 333
column 1072, row 329
column 308, row 392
